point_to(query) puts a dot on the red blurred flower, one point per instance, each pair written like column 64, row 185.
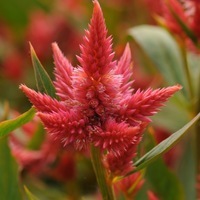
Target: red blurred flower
column 13, row 66
column 97, row 103
column 45, row 29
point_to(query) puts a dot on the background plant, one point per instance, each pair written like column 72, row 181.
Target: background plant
column 166, row 59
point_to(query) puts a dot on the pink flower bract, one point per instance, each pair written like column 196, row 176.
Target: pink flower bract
column 97, row 103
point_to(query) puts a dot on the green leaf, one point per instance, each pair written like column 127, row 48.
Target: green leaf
column 167, row 117
column 9, row 182
column 186, row 170
column 163, row 147
column 160, row 47
column 43, row 81
column 142, row 193
column 9, row 125
column 29, row 194
column 193, row 62
column 161, row 177
column 17, row 13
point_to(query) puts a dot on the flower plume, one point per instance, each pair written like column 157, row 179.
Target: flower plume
column 97, row 104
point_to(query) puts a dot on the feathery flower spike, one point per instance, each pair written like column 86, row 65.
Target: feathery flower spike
column 96, row 102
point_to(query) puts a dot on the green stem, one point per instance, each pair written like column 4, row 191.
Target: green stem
column 104, row 185
column 197, row 146
column 188, row 75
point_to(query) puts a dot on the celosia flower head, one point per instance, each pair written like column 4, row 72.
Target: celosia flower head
column 97, row 104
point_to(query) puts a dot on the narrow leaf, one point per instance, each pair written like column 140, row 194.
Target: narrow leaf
column 164, row 146
column 29, row 194
column 43, row 81
column 9, row 180
column 9, row 125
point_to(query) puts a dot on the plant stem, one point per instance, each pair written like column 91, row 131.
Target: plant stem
column 188, row 76
column 104, row 185
column 197, row 146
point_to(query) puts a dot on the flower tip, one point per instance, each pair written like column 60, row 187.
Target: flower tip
column 55, row 49
column 178, row 87
column 54, row 45
column 27, row 91
column 57, row 54
column 22, row 87
column 95, row 2
column 128, row 49
column 127, row 45
column 97, row 6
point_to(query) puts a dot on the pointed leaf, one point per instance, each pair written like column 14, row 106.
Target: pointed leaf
column 162, row 50
column 9, row 180
column 29, row 194
column 9, row 125
column 43, row 81
column 164, row 146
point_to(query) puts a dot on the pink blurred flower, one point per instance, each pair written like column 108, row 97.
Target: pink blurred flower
column 97, row 102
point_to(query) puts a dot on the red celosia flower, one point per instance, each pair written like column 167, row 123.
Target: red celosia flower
column 97, row 104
